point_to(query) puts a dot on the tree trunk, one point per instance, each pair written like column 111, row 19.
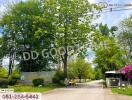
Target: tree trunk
column 65, row 59
column 65, row 55
column 10, row 67
column 65, row 65
column 80, row 78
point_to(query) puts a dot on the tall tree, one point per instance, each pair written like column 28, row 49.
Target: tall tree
column 109, row 55
column 71, row 22
column 19, row 29
column 125, row 36
column 79, row 69
column 50, row 23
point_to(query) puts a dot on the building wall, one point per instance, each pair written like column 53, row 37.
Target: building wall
column 112, row 82
column 27, row 77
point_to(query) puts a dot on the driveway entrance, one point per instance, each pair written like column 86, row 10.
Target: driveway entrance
column 85, row 91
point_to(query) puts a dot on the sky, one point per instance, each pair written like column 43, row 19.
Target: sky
column 109, row 18
column 113, row 18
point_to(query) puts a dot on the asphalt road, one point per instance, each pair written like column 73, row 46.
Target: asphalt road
column 89, row 91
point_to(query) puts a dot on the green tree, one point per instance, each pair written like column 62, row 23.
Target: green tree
column 20, row 26
column 125, row 37
column 80, row 69
column 104, row 29
column 36, row 25
column 71, row 23
column 97, row 73
column 109, row 55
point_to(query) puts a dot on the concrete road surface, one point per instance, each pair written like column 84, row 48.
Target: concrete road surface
column 89, row 91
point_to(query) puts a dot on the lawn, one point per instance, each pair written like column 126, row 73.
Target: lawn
column 124, row 91
column 29, row 88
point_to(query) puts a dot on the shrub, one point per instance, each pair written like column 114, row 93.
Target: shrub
column 12, row 82
column 38, row 82
column 16, row 74
column 3, row 83
column 59, row 78
column 3, row 72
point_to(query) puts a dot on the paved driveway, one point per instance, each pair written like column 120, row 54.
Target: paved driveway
column 89, row 91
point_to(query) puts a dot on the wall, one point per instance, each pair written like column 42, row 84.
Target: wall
column 27, row 77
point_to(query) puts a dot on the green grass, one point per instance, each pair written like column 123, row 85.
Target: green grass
column 126, row 91
column 29, row 88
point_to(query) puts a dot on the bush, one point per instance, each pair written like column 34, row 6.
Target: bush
column 59, row 78
column 12, row 82
column 16, row 74
column 3, row 72
column 3, row 83
column 38, row 82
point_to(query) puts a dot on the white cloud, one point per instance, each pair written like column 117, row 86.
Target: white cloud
column 5, row 61
column 4, row 5
column 2, row 9
column 92, row 1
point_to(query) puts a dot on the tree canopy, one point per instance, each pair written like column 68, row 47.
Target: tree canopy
column 80, row 69
column 36, row 25
column 108, row 53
